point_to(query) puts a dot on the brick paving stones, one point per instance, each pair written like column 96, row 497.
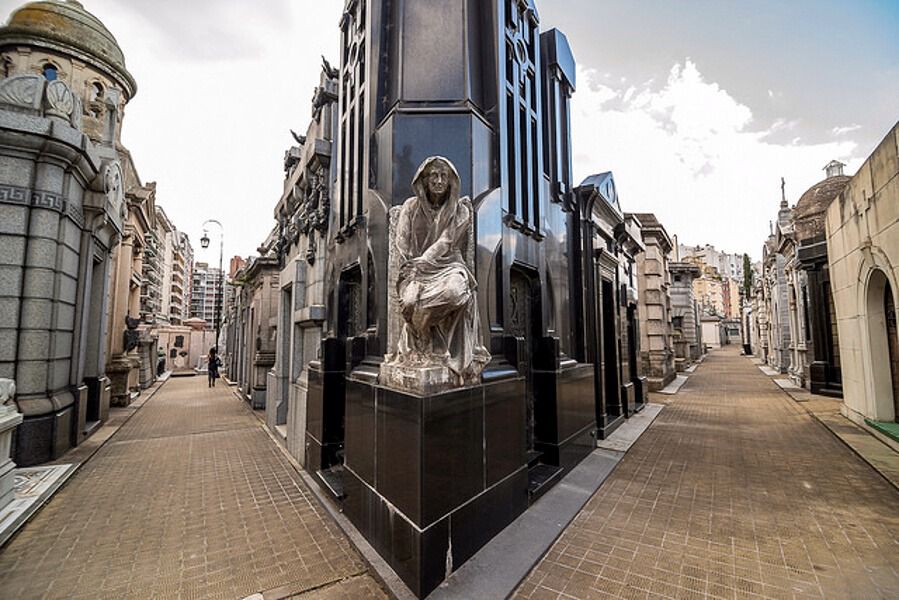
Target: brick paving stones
column 734, row 492
column 190, row 499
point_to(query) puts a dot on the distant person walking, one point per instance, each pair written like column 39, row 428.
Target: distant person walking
column 212, row 367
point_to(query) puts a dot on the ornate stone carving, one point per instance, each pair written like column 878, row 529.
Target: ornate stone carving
column 131, row 333
column 60, row 100
column 23, row 90
column 433, row 289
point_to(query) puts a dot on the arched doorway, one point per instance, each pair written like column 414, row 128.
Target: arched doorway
column 883, row 346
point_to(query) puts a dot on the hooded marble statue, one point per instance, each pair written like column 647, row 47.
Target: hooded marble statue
column 435, row 288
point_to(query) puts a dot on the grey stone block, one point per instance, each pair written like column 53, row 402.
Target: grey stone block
column 7, row 369
column 7, row 345
column 16, row 170
column 31, row 377
column 71, row 235
column 39, row 283
column 69, row 263
column 12, row 219
column 44, row 223
column 41, row 253
column 36, row 314
column 9, row 312
column 65, row 319
column 12, row 250
column 10, row 281
column 62, row 345
column 34, row 345
column 68, row 288
column 59, row 374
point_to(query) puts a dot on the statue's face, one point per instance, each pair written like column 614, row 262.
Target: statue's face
column 438, row 181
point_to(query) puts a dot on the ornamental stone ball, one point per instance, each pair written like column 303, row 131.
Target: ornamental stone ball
column 439, row 343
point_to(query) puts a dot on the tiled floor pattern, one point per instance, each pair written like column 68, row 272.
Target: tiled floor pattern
column 190, row 499
column 734, row 492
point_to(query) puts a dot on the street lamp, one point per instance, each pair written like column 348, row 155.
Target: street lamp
column 204, row 242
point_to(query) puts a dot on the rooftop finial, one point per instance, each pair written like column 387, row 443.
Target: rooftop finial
column 783, row 193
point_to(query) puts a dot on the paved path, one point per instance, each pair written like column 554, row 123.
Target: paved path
column 190, row 499
column 734, row 492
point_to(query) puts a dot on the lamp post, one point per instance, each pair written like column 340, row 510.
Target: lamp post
column 204, row 242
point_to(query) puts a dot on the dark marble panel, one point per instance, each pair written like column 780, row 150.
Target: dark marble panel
column 452, row 451
column 313, row 454
column 64, row 421
column 79, row 423
column 34, row 441
column 434, row 44
column 577, row 447
column 418, row 136
column 475, row 524
column 607, row 425
column 575, row 405
column 314, row 401
column 628, row 397
column 504, row 428
column 434, row 543
column 399, row 450
column 418, row 557
column 360, row 452
column 641, row 392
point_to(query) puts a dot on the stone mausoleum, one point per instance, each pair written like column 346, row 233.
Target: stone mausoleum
column 63, row 210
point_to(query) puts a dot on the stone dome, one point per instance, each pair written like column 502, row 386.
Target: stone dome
column 808, row 214
column 64, row 26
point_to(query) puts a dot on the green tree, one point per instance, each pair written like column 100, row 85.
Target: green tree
column 747, row 276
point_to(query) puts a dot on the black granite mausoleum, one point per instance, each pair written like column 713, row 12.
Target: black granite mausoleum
column 429, row 480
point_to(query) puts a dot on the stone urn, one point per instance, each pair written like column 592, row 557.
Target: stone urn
column 10, row 417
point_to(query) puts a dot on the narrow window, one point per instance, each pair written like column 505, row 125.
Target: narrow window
column 50, row 72
column 96, row 92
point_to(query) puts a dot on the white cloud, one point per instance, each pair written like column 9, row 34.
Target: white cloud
column 688, row 151
column 837, row 131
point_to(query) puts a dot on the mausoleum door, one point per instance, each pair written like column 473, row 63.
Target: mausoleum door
column 524, row 323
column 892, row 346
column 610, row 363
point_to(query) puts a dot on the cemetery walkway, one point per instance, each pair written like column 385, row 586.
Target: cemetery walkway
column 189, row 499
column 733, row 492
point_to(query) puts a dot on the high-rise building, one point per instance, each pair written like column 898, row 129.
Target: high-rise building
column 206, row 293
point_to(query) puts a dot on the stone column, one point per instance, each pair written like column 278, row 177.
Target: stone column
column 119, row 365
column 9, row 420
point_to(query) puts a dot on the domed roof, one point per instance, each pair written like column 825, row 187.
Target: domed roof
column 818, row 197
column 65, row 26
column 808, row 214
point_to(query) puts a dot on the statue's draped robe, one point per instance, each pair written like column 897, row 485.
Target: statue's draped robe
column 436, row 288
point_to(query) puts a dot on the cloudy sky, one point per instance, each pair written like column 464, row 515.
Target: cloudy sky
column 699, row 107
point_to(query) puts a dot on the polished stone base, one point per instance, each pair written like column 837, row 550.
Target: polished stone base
column 822, row 382
column 43, row 438
column 428, row 480
column 417, row 380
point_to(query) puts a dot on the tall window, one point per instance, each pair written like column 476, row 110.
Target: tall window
column 352, row 116
column 522, row 166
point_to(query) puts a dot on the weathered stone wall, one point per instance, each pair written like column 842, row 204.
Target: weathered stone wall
column 863, row 250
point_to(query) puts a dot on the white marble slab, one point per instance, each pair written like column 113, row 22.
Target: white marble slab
column 624, row 437
column 34, row 486
column 674, row 386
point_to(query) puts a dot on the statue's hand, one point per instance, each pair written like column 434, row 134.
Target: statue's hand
column 407, row 301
